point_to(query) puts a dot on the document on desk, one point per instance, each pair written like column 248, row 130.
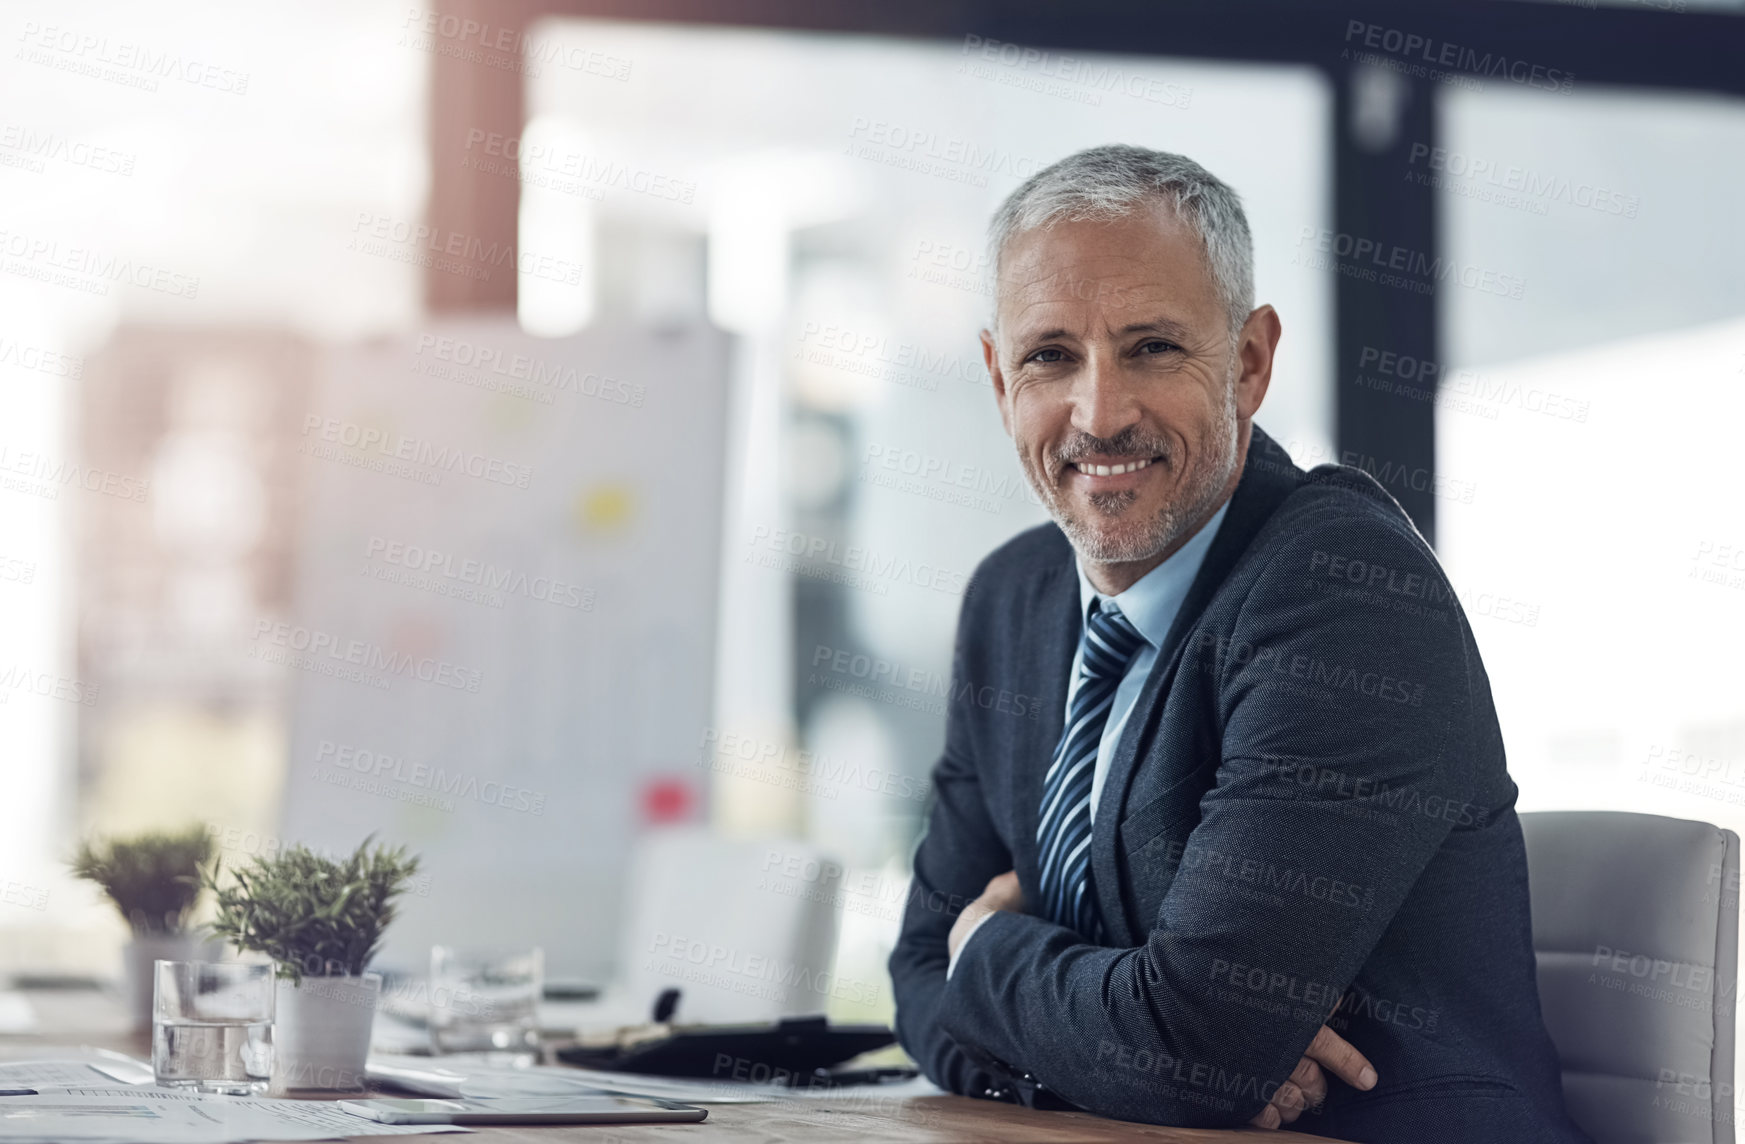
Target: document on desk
column 463, row 1076
column 136, row 1115
column 95, row 1072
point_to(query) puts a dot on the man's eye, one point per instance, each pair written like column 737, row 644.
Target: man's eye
column 1157, row 346
column 1046, row 357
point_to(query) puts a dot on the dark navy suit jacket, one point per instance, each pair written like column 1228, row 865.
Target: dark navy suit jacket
column 1309, row 806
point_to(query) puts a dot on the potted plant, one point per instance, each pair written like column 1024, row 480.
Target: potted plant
column 321, row 920
column 154, row 879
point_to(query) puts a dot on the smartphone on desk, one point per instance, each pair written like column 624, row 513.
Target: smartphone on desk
column 602, row 1109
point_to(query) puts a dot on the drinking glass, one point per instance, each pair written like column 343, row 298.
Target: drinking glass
column 212, row 1025
column 486, row 1001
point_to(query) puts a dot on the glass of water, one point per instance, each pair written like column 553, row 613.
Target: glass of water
column 212, row 1025
column 486, row 1001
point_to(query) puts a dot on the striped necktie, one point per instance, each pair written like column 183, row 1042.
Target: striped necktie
column 1063, row 834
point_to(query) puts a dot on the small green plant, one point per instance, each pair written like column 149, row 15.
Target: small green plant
column 313, row 915
column 154, row 879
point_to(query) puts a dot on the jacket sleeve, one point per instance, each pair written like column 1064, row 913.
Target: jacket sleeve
column 1275, row 879
column 959, row 853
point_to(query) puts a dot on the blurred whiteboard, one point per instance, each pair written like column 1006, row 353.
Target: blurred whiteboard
column 502, row 645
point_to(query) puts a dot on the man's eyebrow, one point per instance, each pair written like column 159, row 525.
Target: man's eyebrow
column 1166, row 327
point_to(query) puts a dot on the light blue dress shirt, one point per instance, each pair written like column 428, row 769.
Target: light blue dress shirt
column 1151, row 605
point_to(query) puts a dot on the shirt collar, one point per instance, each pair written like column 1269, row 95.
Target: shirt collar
column 1154, row 599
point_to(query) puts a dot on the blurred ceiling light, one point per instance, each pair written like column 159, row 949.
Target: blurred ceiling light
column 555, row 274
column 760, row 199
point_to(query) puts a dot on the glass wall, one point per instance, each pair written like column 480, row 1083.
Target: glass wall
column 825, row 199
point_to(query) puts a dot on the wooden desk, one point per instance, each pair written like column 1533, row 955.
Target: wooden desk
column 90, row 1018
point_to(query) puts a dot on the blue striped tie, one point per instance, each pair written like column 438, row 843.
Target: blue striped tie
column 1063, row 835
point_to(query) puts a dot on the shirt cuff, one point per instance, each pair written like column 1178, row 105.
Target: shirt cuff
column 964, row 944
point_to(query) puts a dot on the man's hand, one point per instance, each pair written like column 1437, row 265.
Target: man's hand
column 1307, row 1087
column 1002, row 893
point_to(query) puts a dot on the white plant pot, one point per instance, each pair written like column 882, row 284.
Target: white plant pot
column 137, row 958
column 321, row 1033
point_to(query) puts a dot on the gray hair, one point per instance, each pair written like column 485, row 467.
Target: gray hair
column 1110, row 182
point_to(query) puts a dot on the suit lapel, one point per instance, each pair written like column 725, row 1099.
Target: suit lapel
column 1049, row 640
column 1268, row 477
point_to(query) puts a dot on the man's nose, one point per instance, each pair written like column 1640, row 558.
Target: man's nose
column 1103, row 401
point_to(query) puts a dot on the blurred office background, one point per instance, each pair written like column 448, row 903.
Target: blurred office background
column 592, row 409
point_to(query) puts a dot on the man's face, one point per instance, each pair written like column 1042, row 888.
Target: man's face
column 1118, row 380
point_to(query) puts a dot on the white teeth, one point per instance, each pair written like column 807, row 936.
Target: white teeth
column 1112, row 470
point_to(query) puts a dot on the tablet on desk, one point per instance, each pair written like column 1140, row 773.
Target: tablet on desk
column 528, row 1110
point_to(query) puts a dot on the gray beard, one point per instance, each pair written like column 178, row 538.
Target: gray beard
column 1195, row 501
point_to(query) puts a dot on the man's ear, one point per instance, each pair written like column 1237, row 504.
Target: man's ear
column 1255, row 347
column 991, row 357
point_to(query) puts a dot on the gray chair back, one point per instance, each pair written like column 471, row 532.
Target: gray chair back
column 1636, row 929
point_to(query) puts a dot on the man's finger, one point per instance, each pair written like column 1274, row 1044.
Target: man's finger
column 1266, row 1118
column 1289, row 1101
column 1309, row 1077
column 1336, row 1053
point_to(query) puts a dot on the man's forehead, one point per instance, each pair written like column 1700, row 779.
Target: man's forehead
column 1136, row 262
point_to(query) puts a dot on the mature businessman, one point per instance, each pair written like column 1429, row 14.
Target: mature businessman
column 1268, row 781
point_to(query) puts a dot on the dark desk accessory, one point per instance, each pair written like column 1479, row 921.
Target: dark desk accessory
column 794, row 1051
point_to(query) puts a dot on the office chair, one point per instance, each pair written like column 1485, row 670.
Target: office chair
column 744, row 930
column 1636, row 932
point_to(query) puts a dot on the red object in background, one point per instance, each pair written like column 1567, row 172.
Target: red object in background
column 667, row 800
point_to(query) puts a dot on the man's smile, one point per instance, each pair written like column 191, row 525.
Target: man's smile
column 1102, row 474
